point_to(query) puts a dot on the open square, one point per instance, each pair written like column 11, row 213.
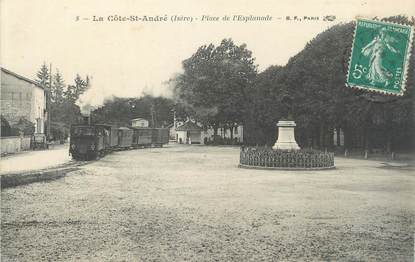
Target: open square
column 200, row 206
column 207, row 131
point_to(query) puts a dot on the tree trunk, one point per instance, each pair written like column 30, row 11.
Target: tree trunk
column 346, row 134
column 215, row 132
column 338, row 137
column 366, row 139
column 316, row 137
column 329, row 138
column 309, row 139
column 249, row 129
column 389, row 141
column 322, row 136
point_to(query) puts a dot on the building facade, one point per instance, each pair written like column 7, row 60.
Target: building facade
column 189, row 133
column 139, row 122
column 22, row 97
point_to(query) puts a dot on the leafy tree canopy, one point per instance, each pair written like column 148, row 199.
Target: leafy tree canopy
column 216, row 83
column 119, row 111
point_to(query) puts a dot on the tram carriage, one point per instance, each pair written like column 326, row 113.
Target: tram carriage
column 142, row 137
column 110, row 137
column 125, row 138
column 159, row 136
column 92, row 141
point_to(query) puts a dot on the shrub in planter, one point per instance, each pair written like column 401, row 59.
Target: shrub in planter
column 298, row 159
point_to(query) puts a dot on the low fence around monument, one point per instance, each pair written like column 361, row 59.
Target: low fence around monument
column 257, row 157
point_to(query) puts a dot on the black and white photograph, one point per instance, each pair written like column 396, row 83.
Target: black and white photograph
column 185, row 130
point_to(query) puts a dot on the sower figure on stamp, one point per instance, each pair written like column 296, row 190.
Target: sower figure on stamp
column 375, row 49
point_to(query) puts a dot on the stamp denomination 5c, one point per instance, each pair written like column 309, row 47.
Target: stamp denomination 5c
column 380, row 56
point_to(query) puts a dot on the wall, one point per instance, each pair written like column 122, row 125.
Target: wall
column 173, row 129
column 139, row 123
column 16, row 97
column 194, row 137
column 341, row 141
column 172, row 133
column 20, row 98
column 181, row 136
column 14, row 144
column 38, row 109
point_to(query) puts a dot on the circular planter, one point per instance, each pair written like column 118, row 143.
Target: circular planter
column 267, row 158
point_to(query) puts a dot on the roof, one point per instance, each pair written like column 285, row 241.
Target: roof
column 106, row 126
column 189, row 126
column 140, row 127
column 21, row 77
column 139, row 119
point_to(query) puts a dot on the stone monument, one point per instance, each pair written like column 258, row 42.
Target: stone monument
column 286, row 138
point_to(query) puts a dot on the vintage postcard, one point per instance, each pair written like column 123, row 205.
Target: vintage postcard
column 181, row 130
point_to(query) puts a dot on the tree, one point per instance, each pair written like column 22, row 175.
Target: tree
column 24, row 126
column 216, row 84
column 120, row 111
column 43, row 76
column 61, row 106
column 44, row 79
column 315, row 80
column 79, row 87
column 5, row 127
column 58, row 86
column 267, row 98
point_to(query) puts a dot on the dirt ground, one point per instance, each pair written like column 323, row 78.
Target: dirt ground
column 193, row 203
column 35, row 159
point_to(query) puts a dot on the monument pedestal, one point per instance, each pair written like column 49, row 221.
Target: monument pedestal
column 286, row 138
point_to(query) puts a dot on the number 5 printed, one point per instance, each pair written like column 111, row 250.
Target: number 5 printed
column 358, row 71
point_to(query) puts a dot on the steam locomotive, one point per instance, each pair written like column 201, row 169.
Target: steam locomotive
column 91, row 141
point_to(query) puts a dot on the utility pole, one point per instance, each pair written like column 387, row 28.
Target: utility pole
column 48, row 100
column 174, row 118
column 152, row 115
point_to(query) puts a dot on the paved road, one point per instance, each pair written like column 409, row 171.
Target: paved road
column 193, row 203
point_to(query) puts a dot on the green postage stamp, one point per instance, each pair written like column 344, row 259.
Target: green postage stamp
column 380, row 57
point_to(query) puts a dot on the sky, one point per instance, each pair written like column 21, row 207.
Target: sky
column 128, row 59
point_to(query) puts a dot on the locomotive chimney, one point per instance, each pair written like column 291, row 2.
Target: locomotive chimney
column 86, row 119
column 86, row 115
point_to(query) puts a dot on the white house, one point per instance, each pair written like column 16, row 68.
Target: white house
column 172, row 129
column 22, row 97
column 193, row 133
column 189, row 133
column 139, row 122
